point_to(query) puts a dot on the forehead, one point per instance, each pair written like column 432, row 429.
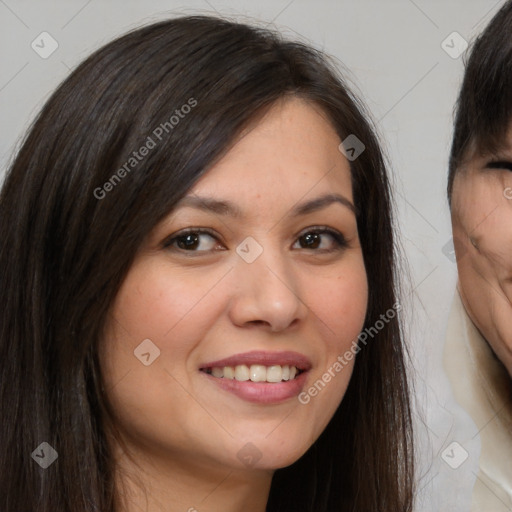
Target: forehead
column 287, row 153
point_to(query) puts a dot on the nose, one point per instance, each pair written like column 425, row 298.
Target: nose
column 266, row 293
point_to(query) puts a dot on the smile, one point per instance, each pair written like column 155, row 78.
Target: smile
column 260, row 377
column 255, row 372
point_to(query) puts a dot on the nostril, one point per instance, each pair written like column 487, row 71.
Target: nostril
column 258, row 322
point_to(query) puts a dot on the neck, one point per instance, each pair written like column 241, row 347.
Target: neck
column 158, row 485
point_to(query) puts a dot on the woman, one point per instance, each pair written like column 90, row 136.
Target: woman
column 189, row 259
column 478, row 354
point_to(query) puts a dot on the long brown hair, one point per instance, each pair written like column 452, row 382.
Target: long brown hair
column 68, row 241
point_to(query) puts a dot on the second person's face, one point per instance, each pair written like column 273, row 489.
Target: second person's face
column 482, row 231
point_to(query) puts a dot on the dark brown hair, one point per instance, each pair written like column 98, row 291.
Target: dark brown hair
column 66, row 249
column 484, row 105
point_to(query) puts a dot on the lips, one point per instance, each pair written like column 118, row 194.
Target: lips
column 264, row 377
column 259, row 366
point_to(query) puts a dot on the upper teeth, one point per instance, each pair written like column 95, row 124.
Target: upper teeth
column 256, row 372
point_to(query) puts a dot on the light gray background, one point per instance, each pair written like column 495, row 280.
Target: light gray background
column 397, row 64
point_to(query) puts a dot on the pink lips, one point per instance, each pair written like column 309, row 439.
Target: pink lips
column 262, row 392
column 264, row 358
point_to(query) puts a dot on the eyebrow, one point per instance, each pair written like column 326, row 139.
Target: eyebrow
column 209, row 204
column 322, row 202
column 499, row 164
column 220, row 207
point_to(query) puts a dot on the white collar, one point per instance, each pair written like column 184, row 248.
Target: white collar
column 483, row 388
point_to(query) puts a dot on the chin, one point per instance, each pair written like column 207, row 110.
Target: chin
column 262, row 455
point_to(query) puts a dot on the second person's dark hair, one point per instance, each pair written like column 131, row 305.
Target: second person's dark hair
column 484, row 106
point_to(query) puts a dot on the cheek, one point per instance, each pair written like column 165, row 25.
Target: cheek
column 172, row 311
column 339, row 307
column 342, row 301
column 157, row 302
column 483, row 234
column 493, row 238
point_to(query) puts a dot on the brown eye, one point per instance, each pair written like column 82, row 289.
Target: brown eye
column 321, row 239
column 310, row 240
column 192, row 241
column 188, row 242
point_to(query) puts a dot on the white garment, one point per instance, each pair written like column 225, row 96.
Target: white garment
column 483, row 388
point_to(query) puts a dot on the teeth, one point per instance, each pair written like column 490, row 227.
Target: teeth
column 242, row 372
column 228, row 371
column 256, row 373
column 218, row 372
column 274, row 374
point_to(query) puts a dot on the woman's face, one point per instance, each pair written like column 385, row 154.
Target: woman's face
column 256, row 274
column 482, row 232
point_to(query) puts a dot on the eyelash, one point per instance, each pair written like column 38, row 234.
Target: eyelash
column 168, row 243
column 501, row 164
column 339, row 240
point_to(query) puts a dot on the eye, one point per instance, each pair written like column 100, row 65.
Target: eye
column 193, row 240
column 322, row 239
column 500, row 164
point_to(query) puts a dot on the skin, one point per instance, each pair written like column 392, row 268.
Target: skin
column 482, row 230
column 180, row 432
